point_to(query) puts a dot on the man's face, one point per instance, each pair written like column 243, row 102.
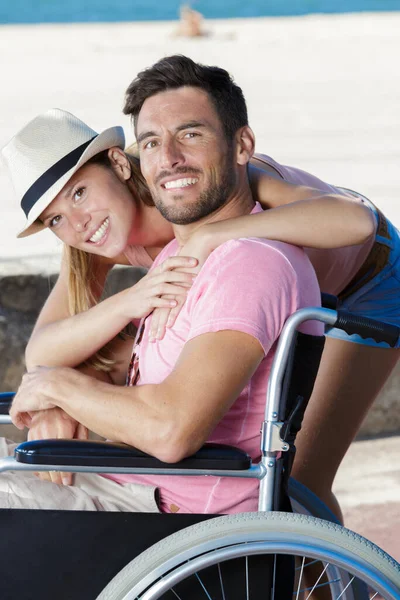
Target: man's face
column 185, row 158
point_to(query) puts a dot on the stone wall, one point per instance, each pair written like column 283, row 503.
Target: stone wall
column 21, row 298
column 22, row 295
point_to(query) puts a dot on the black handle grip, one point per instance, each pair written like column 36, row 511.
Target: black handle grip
column 6, row 399
column 329, row 301
column 368, row 328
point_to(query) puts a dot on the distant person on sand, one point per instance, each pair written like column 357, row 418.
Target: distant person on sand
column 190, row 24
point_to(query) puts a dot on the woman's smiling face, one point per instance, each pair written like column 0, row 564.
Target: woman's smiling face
column 95, row 210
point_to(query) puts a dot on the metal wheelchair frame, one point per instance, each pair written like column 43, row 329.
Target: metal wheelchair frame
column 272, row 444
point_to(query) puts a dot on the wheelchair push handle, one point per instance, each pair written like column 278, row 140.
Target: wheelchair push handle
column 364, row 326
column 367, row 328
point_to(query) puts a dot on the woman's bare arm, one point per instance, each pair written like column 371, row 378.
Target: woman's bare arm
column 59, row 339
column 305, row 216
column 295, row 214
column 62, row 340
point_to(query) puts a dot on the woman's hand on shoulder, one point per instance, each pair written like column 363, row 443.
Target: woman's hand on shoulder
column 199, row 247
column 201, row 243
column 164, row 287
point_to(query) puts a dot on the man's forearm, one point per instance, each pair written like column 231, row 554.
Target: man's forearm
column 171, row 419
column 133, row 415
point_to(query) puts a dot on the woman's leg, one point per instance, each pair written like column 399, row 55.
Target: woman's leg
column 349, row 379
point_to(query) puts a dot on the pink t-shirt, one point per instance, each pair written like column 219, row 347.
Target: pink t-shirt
column 248, row 285
column 335, row 267
column 138, row 256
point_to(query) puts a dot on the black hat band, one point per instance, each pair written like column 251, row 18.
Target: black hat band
column 49, row 177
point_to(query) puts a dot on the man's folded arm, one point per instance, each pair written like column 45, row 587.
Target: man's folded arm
column 172, row 419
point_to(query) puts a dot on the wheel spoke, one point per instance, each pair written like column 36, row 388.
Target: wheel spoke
column 347, row 586
column 221, row 582
column 203, row 586
column 318, row 580
column 247, row 578
column 273, row 578
column 301, row 577
column 312, row 562
column 317, row 587
column 177, row 595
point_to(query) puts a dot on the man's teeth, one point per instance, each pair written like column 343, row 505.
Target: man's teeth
column 180, row 183
column 96, row 237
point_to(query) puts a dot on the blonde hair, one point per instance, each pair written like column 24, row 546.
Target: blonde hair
column 84, row 289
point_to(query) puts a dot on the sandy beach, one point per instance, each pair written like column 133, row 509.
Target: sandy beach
column 323, row 92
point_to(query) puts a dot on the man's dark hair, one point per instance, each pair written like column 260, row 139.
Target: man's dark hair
column 177, row 71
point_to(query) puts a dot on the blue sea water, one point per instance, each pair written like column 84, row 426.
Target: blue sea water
column 75, row 11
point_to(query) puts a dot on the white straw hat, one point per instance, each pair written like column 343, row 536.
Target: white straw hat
column 44, row 155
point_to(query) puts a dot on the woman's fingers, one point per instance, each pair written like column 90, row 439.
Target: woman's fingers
column 178, row 277
column 82, row 432
column 159, row 320
column 43, row 475
column 20, row 419
column 173, row 313
column 163, row 302
column 163, row 318
column 171, row 289
column 156, row 289
column 54, row 423
column 176, row 262
column 60, row 478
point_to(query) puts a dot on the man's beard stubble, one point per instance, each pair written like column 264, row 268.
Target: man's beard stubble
column 210, row 200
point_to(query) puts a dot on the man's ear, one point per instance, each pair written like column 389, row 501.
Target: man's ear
column 245, row 145
column 120, row 163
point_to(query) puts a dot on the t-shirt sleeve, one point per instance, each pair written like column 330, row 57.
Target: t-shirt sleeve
column 246, row 285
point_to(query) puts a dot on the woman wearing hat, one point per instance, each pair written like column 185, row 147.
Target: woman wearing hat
column 91, row 194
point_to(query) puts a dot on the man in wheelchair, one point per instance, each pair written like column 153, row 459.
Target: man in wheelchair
column 206, row 379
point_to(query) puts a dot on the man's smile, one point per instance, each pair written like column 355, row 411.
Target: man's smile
column 180, row 183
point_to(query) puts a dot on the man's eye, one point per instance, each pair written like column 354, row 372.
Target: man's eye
column 54, row 221
column 78, row 194
column 191, row 134
column 149, row 145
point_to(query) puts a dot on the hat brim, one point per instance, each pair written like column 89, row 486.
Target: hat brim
column 110, row 138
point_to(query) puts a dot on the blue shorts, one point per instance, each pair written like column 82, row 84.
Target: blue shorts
column 379, row 298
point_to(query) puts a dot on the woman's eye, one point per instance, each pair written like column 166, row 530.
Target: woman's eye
column 78, row 194
column 54, row 221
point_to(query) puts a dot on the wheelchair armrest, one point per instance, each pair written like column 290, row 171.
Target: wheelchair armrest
column 106, row 454
column 6, row 399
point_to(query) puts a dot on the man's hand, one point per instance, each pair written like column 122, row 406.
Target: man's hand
column 55, row 423
column 33, row 395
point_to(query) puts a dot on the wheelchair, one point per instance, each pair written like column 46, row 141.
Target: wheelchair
column 292, row 547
